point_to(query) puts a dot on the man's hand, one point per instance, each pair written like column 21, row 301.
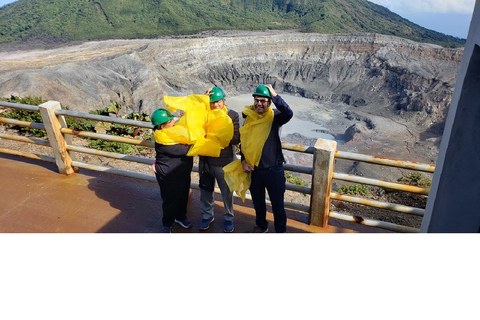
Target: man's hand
column 246, row 167
column 272, row 91
column 179, row 113
column 208, row 92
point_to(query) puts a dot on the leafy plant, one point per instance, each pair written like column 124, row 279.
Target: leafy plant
column 120, row 130
column 137, row 116
column 113, row 107
column 112, row 146
column 81, row 124
column 84, row 124
column 294, row 179
column 33, row 101
column 356, row 189
column 415, row 179
column 25, row 115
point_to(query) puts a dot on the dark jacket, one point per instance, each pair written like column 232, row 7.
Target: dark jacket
column 227, row 154
column 171, row 161
column 272, row 154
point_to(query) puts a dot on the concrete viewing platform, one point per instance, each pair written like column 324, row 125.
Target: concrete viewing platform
column 35, row 198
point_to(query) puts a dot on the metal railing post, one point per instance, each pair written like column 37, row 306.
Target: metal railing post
column 55, row 137
column 323, row 161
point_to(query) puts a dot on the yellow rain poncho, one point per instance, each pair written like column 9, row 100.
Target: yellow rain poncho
column 253, row 135
column 218, row 134
column 191, row 125
column 208, row 131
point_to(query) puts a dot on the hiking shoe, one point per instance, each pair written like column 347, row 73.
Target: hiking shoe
column 228, row 226
column 184, row 223
column 257, row 229
column 166, row 230
column 205, row 223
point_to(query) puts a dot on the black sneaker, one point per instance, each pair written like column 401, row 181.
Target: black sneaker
column 257, row 229
column 184, row 223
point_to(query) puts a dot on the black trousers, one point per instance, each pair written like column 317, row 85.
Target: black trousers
column 272, row 179
column 174, row 189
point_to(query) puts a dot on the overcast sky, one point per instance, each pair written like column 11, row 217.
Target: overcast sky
column 451, row 17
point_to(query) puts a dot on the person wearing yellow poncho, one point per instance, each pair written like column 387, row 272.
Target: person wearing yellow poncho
column 222, row 123
column 261, row 164
column 203, row 128
column 199, row 131
column 172, row 170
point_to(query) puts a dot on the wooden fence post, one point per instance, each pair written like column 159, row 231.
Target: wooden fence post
column 323, row 161
column 55, row 137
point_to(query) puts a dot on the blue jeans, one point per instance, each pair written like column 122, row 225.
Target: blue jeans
column 272, row 179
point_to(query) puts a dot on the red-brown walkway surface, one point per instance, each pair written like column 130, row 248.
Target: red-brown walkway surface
column 35, row 198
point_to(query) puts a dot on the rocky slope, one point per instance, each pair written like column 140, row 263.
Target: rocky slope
column 383, row 94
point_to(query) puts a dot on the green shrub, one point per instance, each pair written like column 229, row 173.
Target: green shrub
column 112, row 146
column 415, row 179
column 145, row 133
column 357, row 190
column 294, row 179
column 148, row 135
column 25, row 115
column 137, row 116
column 81, row 124
column 113, row 107
column 84, row 124
column 120, row 130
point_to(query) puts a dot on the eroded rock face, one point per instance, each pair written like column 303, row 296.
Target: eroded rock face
column 370, row 76
column 354, row 132
column 364, row 71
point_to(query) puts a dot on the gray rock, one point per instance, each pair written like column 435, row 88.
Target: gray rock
column 397, row 91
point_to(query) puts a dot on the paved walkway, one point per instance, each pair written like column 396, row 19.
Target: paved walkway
column 35, row 198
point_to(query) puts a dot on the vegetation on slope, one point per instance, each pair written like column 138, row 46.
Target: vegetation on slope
column 83, row 124
column 66, row 20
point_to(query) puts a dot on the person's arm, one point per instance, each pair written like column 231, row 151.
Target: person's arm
column 208, row 92
column 236, row 126
column 285, row 112
column 176, row 150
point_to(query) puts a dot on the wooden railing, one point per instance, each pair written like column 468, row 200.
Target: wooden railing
column 324, row 153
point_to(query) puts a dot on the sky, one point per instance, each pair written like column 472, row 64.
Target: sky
column 451, row 17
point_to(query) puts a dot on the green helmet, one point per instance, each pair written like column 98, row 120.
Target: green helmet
column 160, row 116
column 262, row 91
column 216, row 94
